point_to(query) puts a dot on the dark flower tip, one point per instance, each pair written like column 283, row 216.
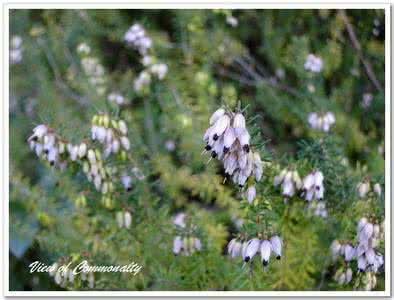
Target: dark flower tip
column 278, row 257
column 225, row 150
column 246, row 148
column 215, row 137
column 247, row 258
column 214, row 154
column 208, row 148
column 265, row 263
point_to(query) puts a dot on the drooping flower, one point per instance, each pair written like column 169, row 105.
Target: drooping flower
column 265, row 251
column 276, row 244
column 228, row 140
column 177, row 245
column 234, row 248
column 252, row 248
column 313, row 188
column 251, row 193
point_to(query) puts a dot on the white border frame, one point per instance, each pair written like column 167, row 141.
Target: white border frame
column 176, row 4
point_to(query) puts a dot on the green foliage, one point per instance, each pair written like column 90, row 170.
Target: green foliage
column 58, row 214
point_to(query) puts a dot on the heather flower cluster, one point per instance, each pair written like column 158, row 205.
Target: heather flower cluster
column 369, row 260
column 228, row 140
column 321, row 122
column 248, row 249
column 290, row 181
column 111, row 133
column 311, row 187
column 49, row 146
column 185, row 242
column 59, row 153
column 136, row 37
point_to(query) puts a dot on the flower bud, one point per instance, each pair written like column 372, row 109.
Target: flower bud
column 91, row 156
column 122, row 127
column 265, row 251
column 82, row 150
column 127, row 219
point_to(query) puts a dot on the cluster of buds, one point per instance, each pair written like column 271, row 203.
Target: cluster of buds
column 124, row 219
column 136, row 37
column 322, row 121
column 312, row 187
column 111, row 133
column 48, row 145
column 313, row 63
column 368, row 259
column 318, row 208
column 186, row 243
column 16, row 50
column 228, row 140
column 369, row 236
column 96, row 172
column 290, row 181
column 92, row 68
column 248, row 249
column 364, row 187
